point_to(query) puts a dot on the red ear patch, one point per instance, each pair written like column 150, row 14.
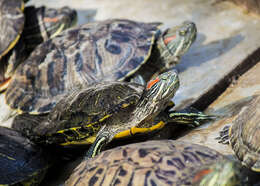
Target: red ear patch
column 200, row 174
column 50, row 20
column 169, row 39
column 152, row 82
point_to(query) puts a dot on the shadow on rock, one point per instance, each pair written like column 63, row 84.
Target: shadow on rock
column 200, row 53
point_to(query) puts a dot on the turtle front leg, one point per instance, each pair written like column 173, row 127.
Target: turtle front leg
column 224, row 135
column 189, row 116
column 104, row 136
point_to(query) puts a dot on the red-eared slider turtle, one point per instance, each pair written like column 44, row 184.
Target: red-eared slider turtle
column 21, row 160
column 244, row 135
column 40, row 24
column 164, row 162
column 12, row 23
column 105, row 111
column 106, row 50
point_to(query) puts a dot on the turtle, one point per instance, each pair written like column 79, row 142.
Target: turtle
column 104, row 111
column 243, row 135
column 12, row 23
column 162, row 162
column 21, row 160
column 40, row 24
column 103, row 50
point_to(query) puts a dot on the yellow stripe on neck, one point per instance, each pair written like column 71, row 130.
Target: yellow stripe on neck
column 136, row 130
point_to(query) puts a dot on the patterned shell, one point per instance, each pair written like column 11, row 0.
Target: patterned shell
column 86, row 107
column 164, row 162
column 245, row 135
column 12, row 23
column 109, row 50
column 20, row 159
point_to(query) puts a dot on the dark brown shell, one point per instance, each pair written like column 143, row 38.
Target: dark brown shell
column 164, row 162
column 245, row 135
column 106, row 50
column 12, row 23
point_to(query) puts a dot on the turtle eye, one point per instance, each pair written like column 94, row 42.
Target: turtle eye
column 182, row 32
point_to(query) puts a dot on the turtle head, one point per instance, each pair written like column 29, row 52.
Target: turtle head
column 222, row 173
column 175, row 42
column 57, row 20
column 159, row 91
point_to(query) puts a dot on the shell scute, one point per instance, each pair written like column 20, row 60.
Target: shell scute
column 154, row 162
column 105, row 50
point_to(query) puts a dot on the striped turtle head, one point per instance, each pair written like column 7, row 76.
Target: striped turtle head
column 175, row 42
column 159, row 91
column 163, row 87
column 57, row 20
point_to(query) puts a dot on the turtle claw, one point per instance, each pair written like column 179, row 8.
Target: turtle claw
column 223, row 135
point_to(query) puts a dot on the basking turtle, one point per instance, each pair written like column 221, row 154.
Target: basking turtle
column 106, row 50
column 164, row 162
column 12, row 23
column 104, row 111
column 40, row 24
column 21, row 160
column 244, row 135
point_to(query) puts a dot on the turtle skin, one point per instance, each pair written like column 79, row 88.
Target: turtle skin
column 12, row 23
column 21, row 160
column 106, row 50
column 164, row 162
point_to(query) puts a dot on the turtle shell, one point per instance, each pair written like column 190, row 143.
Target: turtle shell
column 12, row 23
column 164, row 162
column 244, row 135
column 76, row 121
column 105, row 50
column 20, row 159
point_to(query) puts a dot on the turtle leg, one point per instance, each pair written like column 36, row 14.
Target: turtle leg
column 103, row 138
column 189, row 116
column 224, row 135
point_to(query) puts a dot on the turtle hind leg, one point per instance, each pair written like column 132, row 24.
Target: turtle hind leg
column 189, row 116
column 224, row 135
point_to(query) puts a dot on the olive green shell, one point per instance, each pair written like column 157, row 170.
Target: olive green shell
column 110, row 50
column 79, row 114
column 20, row 159
column 244, row 135
column 12, row 23
column 164, row 162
